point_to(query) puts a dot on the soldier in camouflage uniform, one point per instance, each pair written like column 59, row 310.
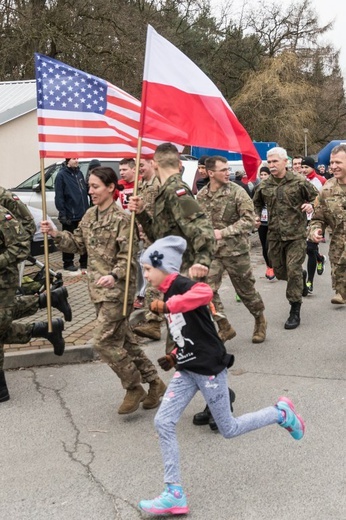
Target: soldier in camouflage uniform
column 288, row 198
column 10, row 201
column 148, row 188
column 14, row 248
column 29, row 305
column 103, row 233
column 231, row 212
column 330, row 210
column 176, row 212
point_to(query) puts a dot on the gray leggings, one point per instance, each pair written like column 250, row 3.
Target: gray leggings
column 179, row 393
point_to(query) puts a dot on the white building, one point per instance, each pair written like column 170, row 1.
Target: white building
column 19, row 153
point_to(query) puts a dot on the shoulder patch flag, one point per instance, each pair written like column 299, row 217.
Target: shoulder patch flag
column 181, row 192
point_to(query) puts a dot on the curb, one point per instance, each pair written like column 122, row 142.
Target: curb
column 46, row 356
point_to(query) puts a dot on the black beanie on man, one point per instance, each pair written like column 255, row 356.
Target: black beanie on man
column 308, row 161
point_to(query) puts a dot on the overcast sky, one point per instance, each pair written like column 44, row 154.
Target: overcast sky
column 327, row 10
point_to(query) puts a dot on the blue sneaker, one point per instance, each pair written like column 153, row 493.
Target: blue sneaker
column 171, row 502
column 293, row 423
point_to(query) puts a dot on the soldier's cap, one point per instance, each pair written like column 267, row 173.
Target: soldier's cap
column 308, row 161
column 165, row 254
column 201, row 160
column 264, row 169
column 94, row 163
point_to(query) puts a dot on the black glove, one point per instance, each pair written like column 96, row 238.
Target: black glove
column 65, row 220
column 167, row 362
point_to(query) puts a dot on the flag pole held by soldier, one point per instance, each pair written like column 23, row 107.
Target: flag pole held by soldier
column 132, row 230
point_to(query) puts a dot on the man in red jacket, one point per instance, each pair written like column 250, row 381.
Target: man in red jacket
column 127, row 171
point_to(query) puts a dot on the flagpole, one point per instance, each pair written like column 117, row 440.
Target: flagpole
column 132, row 229
column 46, row 247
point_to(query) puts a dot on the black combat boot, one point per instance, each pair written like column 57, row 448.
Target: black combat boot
column 59, row 301
column 205, row 417
column 40, row 330
column 4, row 395
column 293, row 320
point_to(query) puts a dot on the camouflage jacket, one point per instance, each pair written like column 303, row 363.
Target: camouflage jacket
column 19, row 210
column 148, row 191
column 105, row 237
column 286, row 221
column 330, row 210
column 230, row 210
column 176, row 212
column 14, row 248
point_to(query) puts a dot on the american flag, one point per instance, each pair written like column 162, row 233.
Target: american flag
column 81, row 115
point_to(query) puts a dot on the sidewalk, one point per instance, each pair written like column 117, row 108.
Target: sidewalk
column 78, row 333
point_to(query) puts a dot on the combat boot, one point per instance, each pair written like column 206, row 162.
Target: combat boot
column 259, row 333
column 134, row 396
column 59, row 301
column 226, row 331
column 151, row 329
column 4, row 395
column 293, row 320
column 156, row 390
column 205, row 417
column 338, row 299
column 40, row 330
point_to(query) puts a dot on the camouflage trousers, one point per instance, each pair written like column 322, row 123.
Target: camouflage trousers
column 117, row 346
column 240, row 272
column 339, row 279
column 12, row 308
column 287, row 258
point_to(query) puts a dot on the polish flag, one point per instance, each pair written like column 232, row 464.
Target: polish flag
column 176, row 88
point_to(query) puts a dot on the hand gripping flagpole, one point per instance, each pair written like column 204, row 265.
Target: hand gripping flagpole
column 46, row 247
column 132, row 230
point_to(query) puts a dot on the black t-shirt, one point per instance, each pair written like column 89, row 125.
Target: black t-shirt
column 200, row 349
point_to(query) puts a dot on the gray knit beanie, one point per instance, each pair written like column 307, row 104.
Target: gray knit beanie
column 166, row 254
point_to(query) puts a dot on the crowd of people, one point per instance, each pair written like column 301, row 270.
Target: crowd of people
column 183, row 243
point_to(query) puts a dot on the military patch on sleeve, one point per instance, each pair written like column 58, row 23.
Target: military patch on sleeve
column 15, row 197
column 8, row 216
column 180, row 192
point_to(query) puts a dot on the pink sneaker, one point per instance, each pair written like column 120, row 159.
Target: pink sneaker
column 293, row 423
column 171, row 502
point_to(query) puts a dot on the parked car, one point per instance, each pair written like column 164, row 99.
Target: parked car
column 30, row 191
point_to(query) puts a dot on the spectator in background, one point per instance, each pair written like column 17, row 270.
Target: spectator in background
column 202, row 175
column 322, row 170
column 238, row 180
column 71, row 201
column 127, row 171
column 94, row 163
column 297, row 164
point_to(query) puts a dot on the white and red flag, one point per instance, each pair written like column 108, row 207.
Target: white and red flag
column 176, row 88
column 81, row 115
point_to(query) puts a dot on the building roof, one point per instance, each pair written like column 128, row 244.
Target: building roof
column 16, row 99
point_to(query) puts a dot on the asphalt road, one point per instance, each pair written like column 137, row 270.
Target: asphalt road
column 67, row 455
